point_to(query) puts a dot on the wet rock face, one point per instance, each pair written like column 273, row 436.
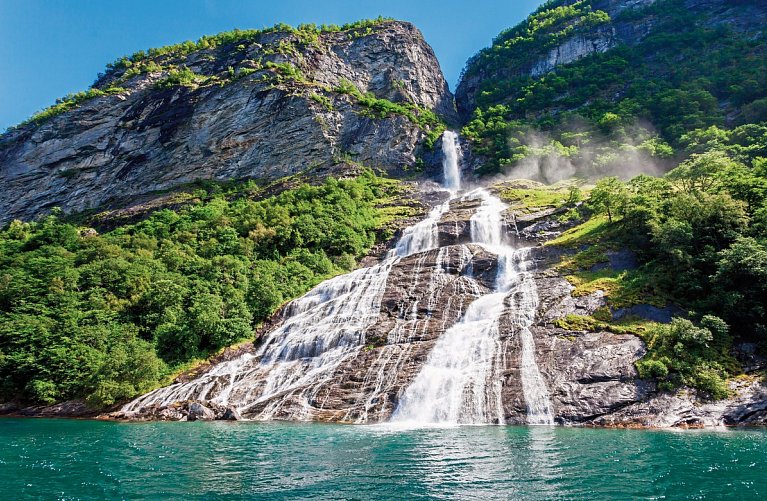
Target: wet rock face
column 590, row 377
column 424, row 295
column 112, row 149
column 454, row 227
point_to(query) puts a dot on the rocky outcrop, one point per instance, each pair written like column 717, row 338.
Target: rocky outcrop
column 263, row 107
column 686, row 409
column 591, row 376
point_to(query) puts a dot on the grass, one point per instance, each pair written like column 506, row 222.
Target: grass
column 395, row 203
column 323, row 101
column 584, row 260
column 588, row 233
column 629, row 325
column 623, row 289
column 531, row 199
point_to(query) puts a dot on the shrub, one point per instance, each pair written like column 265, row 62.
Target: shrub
column 108, row 316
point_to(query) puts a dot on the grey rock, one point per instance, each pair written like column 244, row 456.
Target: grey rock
column 111, row 150
column 8, row 408
column 618, row 260
column 231, row 414
column 198, row 412
column 573, row 49
column 649, row 312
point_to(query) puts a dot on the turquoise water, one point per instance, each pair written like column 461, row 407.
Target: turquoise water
column 66, row 459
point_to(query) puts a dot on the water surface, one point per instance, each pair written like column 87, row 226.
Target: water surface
column 67, row 459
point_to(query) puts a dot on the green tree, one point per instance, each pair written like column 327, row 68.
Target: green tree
column 702, row 172
column 740, row 285
column 610, row 196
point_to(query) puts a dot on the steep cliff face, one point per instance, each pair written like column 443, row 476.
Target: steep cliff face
column 259, row 106
column 569, row 30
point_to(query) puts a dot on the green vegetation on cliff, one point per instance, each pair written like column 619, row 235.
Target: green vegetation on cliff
column 106, row 317
column 672, row 87
column 700, row 235
column 633, row 101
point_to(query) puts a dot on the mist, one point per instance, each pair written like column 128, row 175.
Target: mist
column 548, row 161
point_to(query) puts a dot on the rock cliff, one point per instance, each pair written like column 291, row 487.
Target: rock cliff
column 259, row 106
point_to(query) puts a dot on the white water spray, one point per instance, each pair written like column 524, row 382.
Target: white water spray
column 451, row 161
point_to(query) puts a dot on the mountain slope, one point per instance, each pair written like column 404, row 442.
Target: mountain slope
column 597, row 89
column 582, row 80
column 245, row 104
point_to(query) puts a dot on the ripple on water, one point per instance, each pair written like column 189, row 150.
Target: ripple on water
column 90, row 460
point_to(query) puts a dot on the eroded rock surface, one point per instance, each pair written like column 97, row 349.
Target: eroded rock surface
column 112, row 149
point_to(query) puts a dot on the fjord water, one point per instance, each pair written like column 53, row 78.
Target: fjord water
column 67, row 459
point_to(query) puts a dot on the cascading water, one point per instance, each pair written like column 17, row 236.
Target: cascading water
column 524, row 305
column 451, row 161
column 461, row 381
column 323, row 331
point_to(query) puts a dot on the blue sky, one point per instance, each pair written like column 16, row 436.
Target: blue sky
column 49, row 48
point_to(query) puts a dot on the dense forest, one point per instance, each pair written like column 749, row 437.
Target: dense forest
column 108, row 316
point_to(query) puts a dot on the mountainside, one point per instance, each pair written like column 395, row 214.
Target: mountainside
column 423, row 336
column 261, row 104
column 600, row 86
column 295, row 281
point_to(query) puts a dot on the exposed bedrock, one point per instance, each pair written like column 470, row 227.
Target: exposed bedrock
column 112, row 150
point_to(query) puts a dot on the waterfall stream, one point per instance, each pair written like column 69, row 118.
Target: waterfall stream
column 451, row 161
column 323, row 331
column 462, row 379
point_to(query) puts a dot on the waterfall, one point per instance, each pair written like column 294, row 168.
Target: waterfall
column 523, row 305
column 322, row 330
column 325, row 332
column 461, row 381
column 451, row 161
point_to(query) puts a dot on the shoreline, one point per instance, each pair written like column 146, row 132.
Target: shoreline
column 91, row 415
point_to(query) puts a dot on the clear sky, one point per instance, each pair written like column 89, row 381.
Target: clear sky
column 49, row 48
